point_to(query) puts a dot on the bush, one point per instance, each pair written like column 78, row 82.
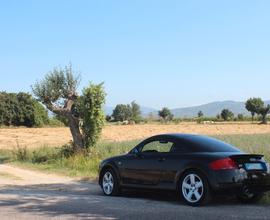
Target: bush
column 21, row 153
column 45, row 154
column 21, row 109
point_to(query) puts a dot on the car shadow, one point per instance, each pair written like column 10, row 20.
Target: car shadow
column 173, row 198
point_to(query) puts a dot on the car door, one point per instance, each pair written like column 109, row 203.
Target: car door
column 143, row 166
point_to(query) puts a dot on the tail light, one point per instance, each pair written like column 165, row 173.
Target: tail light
column 223, row 164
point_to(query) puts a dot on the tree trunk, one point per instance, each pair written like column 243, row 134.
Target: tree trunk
column 264, row 119
column 252, row 116
column 76, row 133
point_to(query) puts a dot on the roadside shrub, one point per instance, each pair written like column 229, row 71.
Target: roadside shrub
column 45, row 154
column 21, row 153
column 67, row 151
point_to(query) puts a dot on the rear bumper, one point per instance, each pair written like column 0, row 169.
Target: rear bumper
column 234, row 180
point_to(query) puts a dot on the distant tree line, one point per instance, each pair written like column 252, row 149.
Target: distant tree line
column 132, row 112
column 255, row 106
column 21, row 109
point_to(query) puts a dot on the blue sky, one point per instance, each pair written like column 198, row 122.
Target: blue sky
column 159, row 53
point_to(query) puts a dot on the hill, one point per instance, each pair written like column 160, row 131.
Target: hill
column 209, row 109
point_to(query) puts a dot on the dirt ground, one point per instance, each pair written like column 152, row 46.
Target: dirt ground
column 36, row 137
column 12, row 175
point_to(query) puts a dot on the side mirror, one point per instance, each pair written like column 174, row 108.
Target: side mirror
column 136, row 152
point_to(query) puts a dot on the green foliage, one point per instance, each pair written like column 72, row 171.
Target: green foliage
column 54, row 122
column 108, row 118
column 44, row 154
column 165, row 114
column 226, row 115
column 240, row 117
column 256, row 105
column 122, row 112
column 40, row 115
column 135, row 112
column 127, row 112
column 62, row 119
column 91, row 112
column 253, row 105
column 56, row 85
column 264, row 111
column 21, row 153
column 20, row 109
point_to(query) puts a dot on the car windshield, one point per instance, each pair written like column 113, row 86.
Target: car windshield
column 207, row 144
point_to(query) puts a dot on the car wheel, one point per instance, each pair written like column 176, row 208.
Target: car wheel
column 194, row 188
column 109, row 183
column 245, row 196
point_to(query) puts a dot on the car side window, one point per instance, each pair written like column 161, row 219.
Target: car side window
column 157, row 147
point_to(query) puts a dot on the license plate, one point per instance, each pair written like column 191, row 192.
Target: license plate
column 268, row 167
column 254, row 166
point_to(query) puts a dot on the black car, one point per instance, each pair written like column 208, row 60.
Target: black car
column 196, row 167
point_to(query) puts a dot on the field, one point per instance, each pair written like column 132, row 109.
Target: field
column 37, row 137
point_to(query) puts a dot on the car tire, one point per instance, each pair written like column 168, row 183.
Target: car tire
column 194, row 188
column 109, row 183
column 247, row 197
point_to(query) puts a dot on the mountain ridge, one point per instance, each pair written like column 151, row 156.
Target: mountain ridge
column 210, row 109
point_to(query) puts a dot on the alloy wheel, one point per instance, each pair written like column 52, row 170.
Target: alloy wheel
column 108, row 183
column 192, row 188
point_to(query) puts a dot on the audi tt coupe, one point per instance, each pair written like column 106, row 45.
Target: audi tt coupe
column 195, row 167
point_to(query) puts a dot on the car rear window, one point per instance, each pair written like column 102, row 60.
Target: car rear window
column 206, row 144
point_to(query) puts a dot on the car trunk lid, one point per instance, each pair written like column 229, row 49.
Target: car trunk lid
column 250, row 162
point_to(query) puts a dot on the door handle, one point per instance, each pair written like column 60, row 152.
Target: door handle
column 161, row 159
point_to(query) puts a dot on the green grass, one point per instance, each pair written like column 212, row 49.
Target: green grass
column 255, row 143
column 55, row 159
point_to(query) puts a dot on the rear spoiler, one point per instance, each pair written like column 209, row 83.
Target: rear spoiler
column 246, row 156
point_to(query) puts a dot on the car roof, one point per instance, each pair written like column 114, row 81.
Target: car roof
column 200, row 142
column 177, row 135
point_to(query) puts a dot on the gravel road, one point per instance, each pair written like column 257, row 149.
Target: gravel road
column 45, row 196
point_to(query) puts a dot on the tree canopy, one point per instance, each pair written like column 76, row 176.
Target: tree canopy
column 165, row 114
column 253, row 105
column 122, row 112
column 227, row 115
column 21, row 109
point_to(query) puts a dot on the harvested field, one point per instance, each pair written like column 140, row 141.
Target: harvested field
column 36, row 137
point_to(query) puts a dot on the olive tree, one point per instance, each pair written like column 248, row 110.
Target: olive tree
column 122, row 112
column 165, row 114
column 264, row 111
column 58, row 92
column 227, row 115
column 254, row 105
column 135, row 112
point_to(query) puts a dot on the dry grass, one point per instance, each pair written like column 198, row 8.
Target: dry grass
column 36, row 137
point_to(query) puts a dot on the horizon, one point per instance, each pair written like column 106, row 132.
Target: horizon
column 157, row 53
column 191, row 106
